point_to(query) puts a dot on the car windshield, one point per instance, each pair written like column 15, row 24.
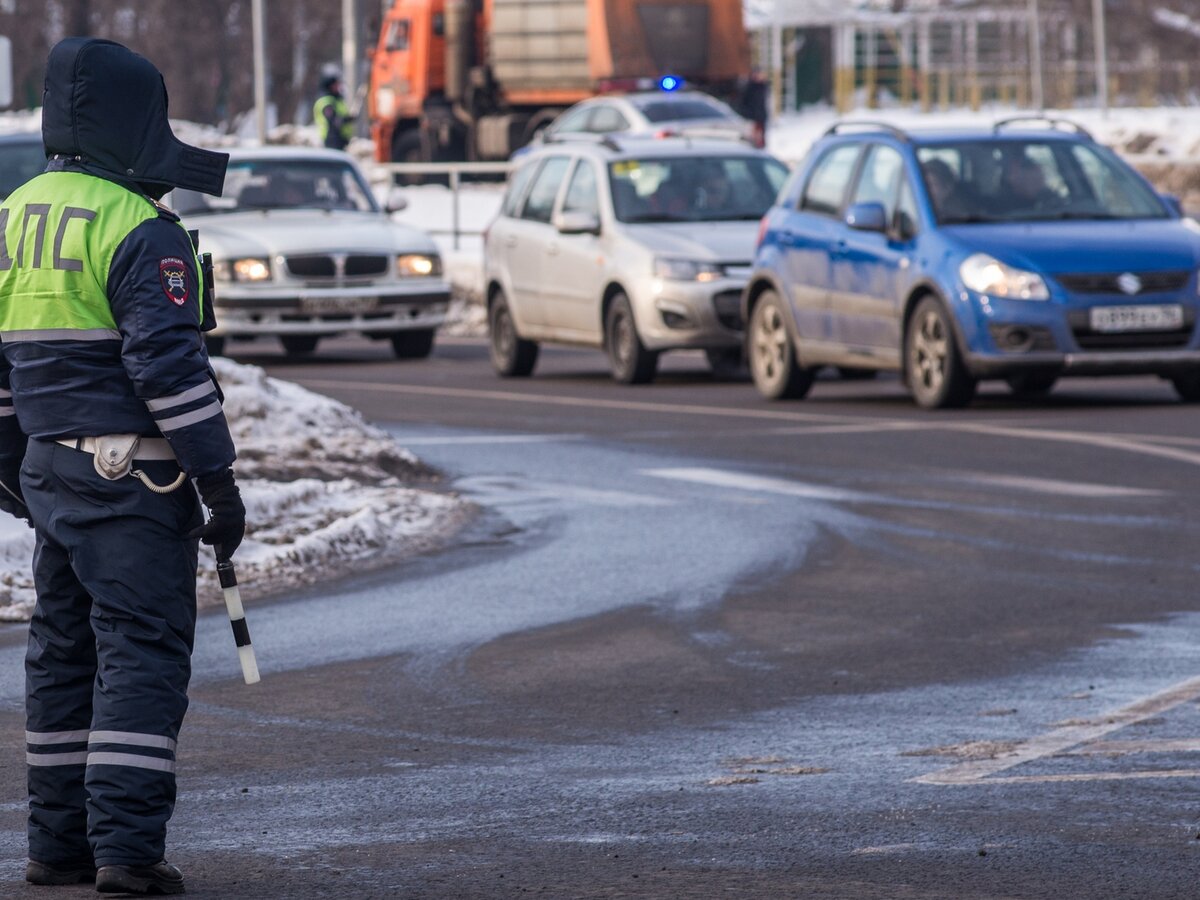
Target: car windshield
column 20, row 161
column 681, row 109
column 282, row 184
column 694, row 188
column 1032, row 181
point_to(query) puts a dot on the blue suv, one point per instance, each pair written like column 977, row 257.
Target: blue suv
column 1020, row 252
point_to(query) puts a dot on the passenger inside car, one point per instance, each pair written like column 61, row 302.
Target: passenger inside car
column 1023, row 185
column 715, row 191
column 945, row 190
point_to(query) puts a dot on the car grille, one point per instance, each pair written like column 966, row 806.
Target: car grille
column 318, row 267
column 312, row 266
column 1106, row 282
column 1130, row 340
column 357, row 266
column 728, row 307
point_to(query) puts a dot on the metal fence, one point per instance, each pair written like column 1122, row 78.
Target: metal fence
column 452, row 175
column 1023, row 53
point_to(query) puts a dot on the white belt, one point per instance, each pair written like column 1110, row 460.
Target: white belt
column 149, row 448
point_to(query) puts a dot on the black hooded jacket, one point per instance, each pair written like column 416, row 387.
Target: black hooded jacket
column 105, row 108
column 100, row 302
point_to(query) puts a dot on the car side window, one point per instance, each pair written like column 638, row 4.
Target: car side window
column 826, row 188
column 581, row 192
column 606, row 119
column 397, row 35
column 573, row 120
column 877, row 180
column 540, row 204
column 516, row 189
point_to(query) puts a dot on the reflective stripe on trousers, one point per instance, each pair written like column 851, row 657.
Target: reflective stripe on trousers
column 109, row 657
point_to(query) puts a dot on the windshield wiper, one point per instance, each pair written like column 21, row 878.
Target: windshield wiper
column 654, row 217
column 1066, row 215
column 970, row 219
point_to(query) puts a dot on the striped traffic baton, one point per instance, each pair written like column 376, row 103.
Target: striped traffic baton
column 237, row 618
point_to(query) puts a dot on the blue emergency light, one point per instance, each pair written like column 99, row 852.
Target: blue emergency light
column 670, row 83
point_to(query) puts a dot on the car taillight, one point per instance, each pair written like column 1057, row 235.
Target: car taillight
column 666, row 133
column 762, row 230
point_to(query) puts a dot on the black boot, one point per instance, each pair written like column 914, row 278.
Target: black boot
column 59, row 873
column 160, row 878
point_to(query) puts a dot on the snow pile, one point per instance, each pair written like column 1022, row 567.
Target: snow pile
column 325, row 494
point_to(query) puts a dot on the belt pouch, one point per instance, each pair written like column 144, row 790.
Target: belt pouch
column 114, row 454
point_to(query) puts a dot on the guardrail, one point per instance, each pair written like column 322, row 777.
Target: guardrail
column 454, row 171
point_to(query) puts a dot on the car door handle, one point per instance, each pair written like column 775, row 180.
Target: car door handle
column 510, row 241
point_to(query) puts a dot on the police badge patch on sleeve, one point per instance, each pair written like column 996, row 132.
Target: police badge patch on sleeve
column 172, row 272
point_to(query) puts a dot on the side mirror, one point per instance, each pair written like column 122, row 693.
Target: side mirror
column 396, row 201
column 867, row 217
column 577, row 223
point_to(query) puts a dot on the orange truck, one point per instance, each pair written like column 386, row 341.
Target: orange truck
column 476, row 79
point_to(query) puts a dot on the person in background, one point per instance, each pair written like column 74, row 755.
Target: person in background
column 754, row 104
column 331, row 114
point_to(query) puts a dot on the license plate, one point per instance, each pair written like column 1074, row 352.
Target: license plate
column 338, row 304
column 1111, row 319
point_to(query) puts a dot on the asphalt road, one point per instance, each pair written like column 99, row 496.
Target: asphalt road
column 696, row 645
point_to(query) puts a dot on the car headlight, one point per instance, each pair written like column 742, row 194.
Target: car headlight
column 987, row 275
column 248, row 269
column 418, row 265
column 686, row 270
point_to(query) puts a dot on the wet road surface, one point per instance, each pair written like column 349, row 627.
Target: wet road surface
column 698, row 645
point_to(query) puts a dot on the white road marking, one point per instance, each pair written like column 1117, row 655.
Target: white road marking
column 1123, row 748
column 448, row 440
column 1107, row 441
column 500, row 490
column 742, row 482
column 1055, row 486
column 685, row 409
column 863, row 428
column 1111, row 441
column 984, row 771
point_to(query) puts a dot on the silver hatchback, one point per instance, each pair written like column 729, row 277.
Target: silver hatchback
column 634, row 246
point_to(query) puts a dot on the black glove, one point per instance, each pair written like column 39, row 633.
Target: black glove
column 226, row 523
column 12, row 500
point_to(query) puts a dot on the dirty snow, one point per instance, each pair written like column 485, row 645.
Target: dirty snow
column 326, row 494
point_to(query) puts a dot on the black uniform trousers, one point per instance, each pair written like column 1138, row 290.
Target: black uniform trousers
column 109, row 656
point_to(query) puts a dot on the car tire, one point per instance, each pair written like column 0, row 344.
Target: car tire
column 214, row 344
column 416, row 344
column 629, row 360
column 1032, row 384
column 512, row 355
column 726, row 363
column 933, row 365
column 1187, row 386
column 774, row 365
column 299, row 344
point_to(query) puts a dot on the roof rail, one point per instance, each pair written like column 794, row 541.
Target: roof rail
column 1053, row 123
column 583, row 137
column 867, row 125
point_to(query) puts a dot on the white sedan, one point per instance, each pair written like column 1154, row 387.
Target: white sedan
column 301, row 250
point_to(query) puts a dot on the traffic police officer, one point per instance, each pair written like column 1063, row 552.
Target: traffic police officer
column 107, row 405
column 332, row 115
